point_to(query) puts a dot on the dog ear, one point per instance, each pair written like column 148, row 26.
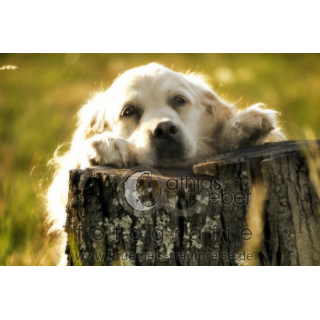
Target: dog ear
column 220, row 110
column 91, row 117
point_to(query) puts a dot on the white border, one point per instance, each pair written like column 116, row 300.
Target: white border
column 163, row 26
column 160, row 293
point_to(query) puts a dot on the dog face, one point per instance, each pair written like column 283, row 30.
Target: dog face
column 161, row 113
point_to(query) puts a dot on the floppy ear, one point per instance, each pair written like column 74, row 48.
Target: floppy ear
column 220, row 111
column 91, row 116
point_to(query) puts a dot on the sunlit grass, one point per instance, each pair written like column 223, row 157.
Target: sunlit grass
column 39, row 101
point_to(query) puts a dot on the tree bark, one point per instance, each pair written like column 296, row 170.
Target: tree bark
column 252, row 206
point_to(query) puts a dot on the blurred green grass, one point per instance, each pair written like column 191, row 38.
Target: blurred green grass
column 38, row 104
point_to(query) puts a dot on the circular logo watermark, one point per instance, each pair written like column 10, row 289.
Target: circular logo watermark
column 142, row 190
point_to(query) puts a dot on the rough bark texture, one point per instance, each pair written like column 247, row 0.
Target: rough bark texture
column 197, row 223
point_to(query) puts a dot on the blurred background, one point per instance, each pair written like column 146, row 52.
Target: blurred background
column 38, row 104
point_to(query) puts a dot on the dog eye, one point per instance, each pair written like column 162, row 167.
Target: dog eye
column 128, row 110
column 178, row 101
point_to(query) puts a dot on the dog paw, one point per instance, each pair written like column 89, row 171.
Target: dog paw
column 252, row 126
column 105, row 149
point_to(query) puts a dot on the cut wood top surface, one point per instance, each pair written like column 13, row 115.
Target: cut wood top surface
column 271, row 149
column 165, row 173
column 265, row 151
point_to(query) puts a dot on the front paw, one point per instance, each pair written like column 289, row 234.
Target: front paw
column 252, row 126
column 106, row 149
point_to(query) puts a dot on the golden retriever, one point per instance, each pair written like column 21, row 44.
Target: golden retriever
column 154, row 116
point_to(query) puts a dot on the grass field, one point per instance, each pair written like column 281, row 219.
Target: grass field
column 39, row 101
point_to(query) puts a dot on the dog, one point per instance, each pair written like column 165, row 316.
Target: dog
column 154, row 116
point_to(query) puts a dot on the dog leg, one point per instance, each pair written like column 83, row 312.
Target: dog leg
column 107, row 149
column 251, row 127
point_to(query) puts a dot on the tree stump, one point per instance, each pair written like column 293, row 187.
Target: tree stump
column 252, row 206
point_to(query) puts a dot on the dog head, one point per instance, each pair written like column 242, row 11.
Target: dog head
column 165, row 116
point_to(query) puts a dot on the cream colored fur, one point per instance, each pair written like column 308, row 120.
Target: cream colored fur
column 208, row 126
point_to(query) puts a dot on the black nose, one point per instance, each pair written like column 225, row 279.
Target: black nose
column 166, row 131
